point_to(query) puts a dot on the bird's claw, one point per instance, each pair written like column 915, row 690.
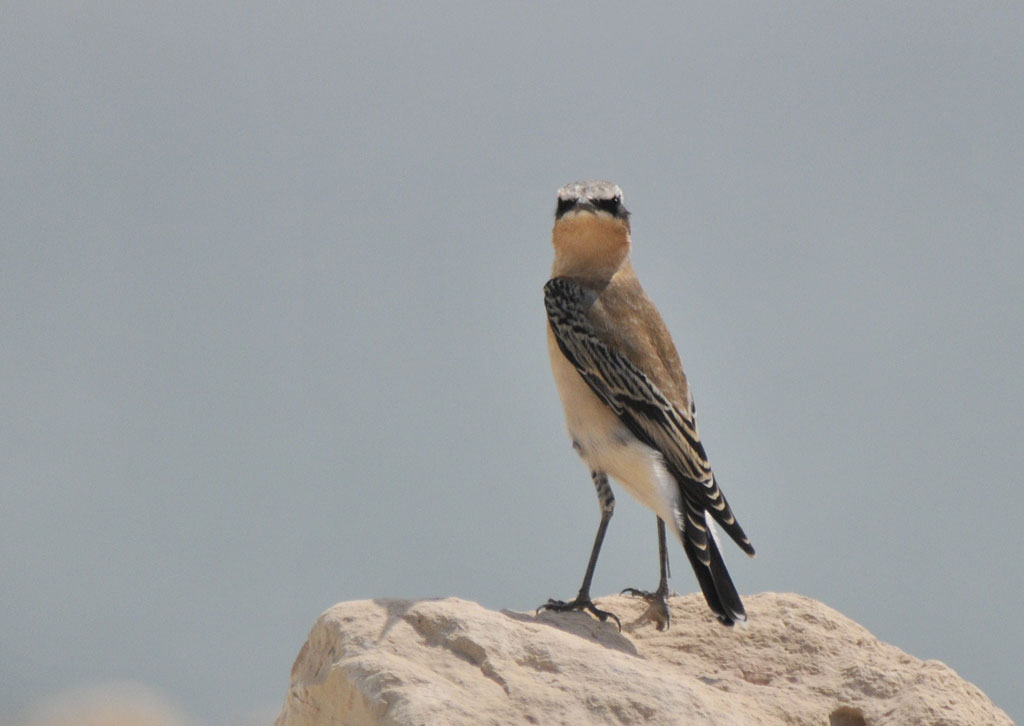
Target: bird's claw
column 657, row 606
column 580, row 603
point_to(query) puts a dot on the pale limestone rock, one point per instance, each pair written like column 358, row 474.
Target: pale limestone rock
column 406, row 663
column 105, row 704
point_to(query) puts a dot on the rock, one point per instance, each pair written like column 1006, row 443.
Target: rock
column 417, row 662
column 105, row 704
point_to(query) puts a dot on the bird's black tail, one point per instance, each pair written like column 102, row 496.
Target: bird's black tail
column 714, row 580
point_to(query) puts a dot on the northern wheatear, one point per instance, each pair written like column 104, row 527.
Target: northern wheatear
column 627, row 403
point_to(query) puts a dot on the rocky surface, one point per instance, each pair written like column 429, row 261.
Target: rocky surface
column 404, row 663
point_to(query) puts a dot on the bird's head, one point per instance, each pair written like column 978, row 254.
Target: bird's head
column 591, row 234
column 600, row 199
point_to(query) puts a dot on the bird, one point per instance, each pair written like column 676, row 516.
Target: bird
column 628, row 407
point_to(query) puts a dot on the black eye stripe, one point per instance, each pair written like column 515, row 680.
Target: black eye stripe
column 612, row 205
column 564, row 205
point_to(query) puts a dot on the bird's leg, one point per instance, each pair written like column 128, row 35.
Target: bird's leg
column 582, row 600
column 657, row 609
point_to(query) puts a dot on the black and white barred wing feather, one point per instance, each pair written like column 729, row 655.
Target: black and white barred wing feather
column 644, row 410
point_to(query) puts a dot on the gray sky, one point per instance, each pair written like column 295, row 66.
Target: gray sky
column 272, row 327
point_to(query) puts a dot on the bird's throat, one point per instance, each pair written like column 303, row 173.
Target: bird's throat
column 589, row 247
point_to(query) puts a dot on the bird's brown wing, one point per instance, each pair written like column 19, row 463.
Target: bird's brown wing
column 642, row 408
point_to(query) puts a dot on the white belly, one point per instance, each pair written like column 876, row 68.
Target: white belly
column 606, row 445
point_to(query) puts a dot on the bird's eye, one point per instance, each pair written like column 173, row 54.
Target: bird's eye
column 609, row 205
column 564, row 205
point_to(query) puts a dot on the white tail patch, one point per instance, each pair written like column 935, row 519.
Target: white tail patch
column 712, row 529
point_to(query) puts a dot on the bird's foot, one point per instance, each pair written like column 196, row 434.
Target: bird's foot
column 582, row 602
column 657, row 606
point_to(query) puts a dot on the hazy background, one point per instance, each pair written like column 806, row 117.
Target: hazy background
column 273, row 334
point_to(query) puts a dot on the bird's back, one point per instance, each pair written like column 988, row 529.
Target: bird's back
column 624, row 306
